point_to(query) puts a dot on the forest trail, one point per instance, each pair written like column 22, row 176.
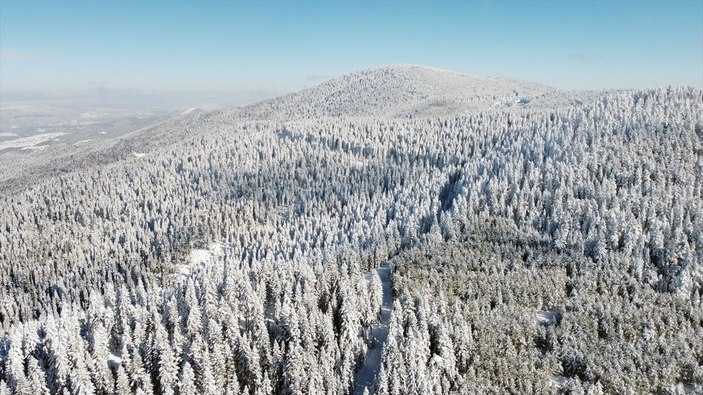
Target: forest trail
column 366, row 376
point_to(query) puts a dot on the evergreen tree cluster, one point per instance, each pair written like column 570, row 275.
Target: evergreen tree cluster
column 533, row 250
column 499, row 311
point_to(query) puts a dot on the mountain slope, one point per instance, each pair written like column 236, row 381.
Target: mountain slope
column 399, row 90
column 388, row 91
column 532, row 248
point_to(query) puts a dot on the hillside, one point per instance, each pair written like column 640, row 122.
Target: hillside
column 389, row 91
column 395, row 91
column 548, row 245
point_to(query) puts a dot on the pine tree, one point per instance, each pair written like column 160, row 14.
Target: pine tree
column 37, row 378
column 186, row 380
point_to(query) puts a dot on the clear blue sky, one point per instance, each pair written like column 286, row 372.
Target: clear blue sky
column 285, row 45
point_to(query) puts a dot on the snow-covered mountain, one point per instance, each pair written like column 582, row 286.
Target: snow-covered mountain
column 395, row 91
column 397, row 230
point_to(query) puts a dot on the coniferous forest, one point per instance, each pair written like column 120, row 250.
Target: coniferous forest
column 538, row 241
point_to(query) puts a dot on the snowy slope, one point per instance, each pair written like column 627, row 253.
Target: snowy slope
column 398, row 90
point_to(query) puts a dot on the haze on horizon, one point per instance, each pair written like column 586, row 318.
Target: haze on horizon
column 258, row 49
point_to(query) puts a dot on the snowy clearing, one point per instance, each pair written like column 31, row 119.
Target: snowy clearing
column 202, row 256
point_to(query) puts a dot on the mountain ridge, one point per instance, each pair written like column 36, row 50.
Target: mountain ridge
column 393, row 91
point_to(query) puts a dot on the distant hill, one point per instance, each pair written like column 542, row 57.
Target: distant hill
column 395, row 91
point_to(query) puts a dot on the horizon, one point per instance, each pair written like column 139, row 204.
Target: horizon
column 269, row 48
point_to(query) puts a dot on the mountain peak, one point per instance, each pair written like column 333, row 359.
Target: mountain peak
column 395, row 90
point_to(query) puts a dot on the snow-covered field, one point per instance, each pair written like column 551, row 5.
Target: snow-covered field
column 30, row 142
column 203, row 256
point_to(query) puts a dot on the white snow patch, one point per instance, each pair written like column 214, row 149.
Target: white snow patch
column 39, row 148
column 202, row 256
column 8, row 134
column 139, row 154
column 357, row 163
column 102, row 132
column 93, row 115
column 188, row 111
column 29, row 142
column 114, row 359
column 199, row 256
column 559, row 381
column 547, row 317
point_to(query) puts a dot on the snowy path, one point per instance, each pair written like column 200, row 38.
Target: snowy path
column 366, row 376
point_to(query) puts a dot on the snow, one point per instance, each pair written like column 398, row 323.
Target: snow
column 203, row 256
column 559, row 381
column 684, row 388
column 199, row 256
column 139, row 154
column 29, row 142
column 38, row 148
column 8, row 134
column 547, row 317
column 114, row 359
column 393, row 91
column 188, row 111
column 366, row 376
column 357, row 163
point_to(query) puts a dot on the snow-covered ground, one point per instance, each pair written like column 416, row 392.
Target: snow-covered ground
column 202, row 256
column 547, row 317
column 29, row 142
column 366, row 376
column 559, row 381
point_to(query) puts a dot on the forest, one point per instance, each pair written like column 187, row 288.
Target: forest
column 552, row 245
